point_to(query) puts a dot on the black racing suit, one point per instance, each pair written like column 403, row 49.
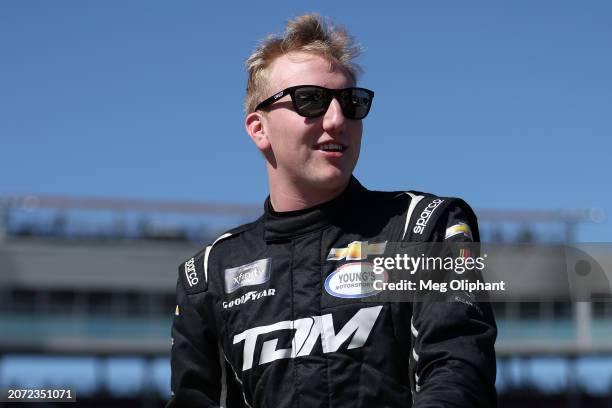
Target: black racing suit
column 255, row 325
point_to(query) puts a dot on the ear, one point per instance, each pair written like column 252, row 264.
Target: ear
column 254, row 124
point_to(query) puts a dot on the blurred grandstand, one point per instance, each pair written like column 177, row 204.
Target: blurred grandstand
column 92, row 281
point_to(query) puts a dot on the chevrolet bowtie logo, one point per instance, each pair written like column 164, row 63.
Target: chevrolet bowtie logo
column 356, row 250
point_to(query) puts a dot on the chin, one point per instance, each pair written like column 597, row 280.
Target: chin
column 332, row 179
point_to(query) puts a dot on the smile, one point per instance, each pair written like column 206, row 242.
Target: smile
column 331, row 147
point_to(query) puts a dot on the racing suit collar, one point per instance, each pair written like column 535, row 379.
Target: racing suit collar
column 288, row 224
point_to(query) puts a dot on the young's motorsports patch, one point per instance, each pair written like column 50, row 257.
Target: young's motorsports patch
column 354, row 280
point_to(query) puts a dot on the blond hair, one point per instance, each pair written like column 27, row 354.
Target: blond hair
column 308, row 33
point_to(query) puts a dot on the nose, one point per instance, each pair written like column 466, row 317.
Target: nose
column 334, row 120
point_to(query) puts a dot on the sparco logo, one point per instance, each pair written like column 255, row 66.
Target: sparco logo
column 247, row 297
column 425, row 215
column 190, row 273
column 307, row 331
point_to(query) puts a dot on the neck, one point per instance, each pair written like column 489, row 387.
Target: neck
column 289, row 197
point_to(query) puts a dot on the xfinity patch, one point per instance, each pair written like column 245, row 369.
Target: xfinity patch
column 254, row 273
column 353, row 280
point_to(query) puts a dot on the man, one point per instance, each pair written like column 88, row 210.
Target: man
column 257, row 324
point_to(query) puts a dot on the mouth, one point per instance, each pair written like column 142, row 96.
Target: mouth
column 331, row 147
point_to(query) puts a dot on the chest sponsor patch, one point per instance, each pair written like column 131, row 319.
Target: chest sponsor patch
column 307, row 332
column 353, row 280
column 356, row 250
column 254, row 273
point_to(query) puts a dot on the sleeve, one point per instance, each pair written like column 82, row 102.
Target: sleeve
column 452, row 361
column 197, row 377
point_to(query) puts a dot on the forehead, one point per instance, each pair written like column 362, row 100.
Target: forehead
column 299, row 68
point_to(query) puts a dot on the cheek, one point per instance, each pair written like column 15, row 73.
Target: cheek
column 276, row 130
column 291, row 135
column 356, row 130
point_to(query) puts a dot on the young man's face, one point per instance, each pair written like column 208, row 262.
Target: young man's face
column 297, row 150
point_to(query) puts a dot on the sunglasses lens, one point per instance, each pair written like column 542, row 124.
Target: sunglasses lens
column 356, row 103
column 311, row 101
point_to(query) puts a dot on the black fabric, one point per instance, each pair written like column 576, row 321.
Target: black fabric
column 284, row 225
column 287, row 341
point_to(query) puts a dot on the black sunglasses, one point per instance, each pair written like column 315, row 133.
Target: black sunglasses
column 312, row 101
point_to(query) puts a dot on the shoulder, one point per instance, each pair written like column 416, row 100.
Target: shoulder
column 459, row 223
column 193, row 272
column 428, row 216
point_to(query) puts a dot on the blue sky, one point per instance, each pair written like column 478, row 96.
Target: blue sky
column 508, row 105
